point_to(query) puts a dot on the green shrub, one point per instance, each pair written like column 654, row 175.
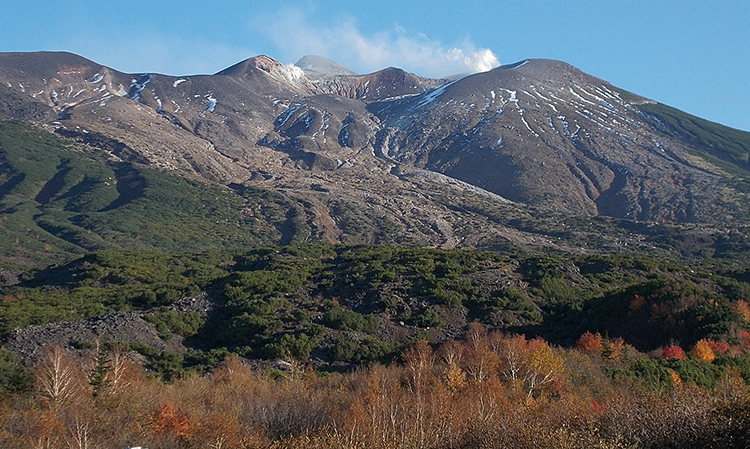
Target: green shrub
column 337, row 317
column 344, row 349
column 428, row 318
column 185, row 324
column 14, row 378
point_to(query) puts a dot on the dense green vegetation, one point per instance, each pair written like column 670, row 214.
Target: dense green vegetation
column 59, row 200
column 355, row 304
column 726, row 147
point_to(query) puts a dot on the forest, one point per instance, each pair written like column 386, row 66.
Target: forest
column 378, row 346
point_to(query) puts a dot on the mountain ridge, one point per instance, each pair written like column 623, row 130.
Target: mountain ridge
column 360, row 157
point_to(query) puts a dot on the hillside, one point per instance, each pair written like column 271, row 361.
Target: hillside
column 527, row 256
column 330, row 304
column 61, row 198
column 538, row 133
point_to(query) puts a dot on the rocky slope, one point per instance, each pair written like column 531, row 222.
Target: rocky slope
column 369, row 157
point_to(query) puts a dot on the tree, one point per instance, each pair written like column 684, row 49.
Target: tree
column 99, row 373
column 533, row 363
column 742, row 308
column 543, row 366
column 454, row 377
column 591, row 343
column 170, row 420
column 702, row 350
column 419, row 360
column 57, row 375
column 673, row 352
column 119, row 368
column 479, row 359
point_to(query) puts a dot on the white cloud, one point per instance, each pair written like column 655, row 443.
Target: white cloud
column 344, row 43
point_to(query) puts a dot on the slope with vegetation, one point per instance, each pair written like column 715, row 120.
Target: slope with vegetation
column 250, row 260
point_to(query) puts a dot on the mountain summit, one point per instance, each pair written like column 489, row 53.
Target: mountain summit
column 394, row 157
column 324, row 66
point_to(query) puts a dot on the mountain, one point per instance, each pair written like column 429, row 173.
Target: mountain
column 323, row 66
column 311, row 214
column 533, row 155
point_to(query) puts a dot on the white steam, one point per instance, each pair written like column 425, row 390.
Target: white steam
column 347, row 45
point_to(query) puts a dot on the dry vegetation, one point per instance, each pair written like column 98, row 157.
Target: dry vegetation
column 489, row 390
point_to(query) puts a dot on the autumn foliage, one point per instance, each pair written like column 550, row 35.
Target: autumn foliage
column 592, row 343
column 170, row 420
column 703, row 350
column 488, row 390
column 673, row 352
column 742, row 308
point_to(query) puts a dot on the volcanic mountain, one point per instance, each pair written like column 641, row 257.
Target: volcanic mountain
column 392, row 156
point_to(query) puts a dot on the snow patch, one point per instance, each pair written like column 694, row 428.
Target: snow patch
column 138, row 85
column 211, row 103
column 432, row 96
column 178, row 82
column 575, row 94
column 95, row 79
column 286, row 115
column 528, row 127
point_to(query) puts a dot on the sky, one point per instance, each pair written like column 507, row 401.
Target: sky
column 690, row 54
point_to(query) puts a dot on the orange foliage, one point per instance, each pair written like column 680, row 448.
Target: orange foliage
column 675, row 378
column 170, row 420
column 530, row 363
column 613, row 348
column 702, row 350
column 589, row 342
column 522, row 393
column 479, row 357
column 744, row 339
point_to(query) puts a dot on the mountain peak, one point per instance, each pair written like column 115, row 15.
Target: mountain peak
column 324, row 66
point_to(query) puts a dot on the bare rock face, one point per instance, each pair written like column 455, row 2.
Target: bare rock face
column 544, row 132
column 30, row 342
column 386, row 144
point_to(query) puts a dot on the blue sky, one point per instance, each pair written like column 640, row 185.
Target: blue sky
column 691, row 54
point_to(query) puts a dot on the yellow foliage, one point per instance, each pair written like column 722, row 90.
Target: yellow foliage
column 613, row 348
column 455, row 378
column 702, row 350
column 742, row 308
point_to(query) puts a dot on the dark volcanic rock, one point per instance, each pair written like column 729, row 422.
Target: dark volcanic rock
column 30, row 342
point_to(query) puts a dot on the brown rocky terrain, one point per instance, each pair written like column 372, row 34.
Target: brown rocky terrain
column 370, row 157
